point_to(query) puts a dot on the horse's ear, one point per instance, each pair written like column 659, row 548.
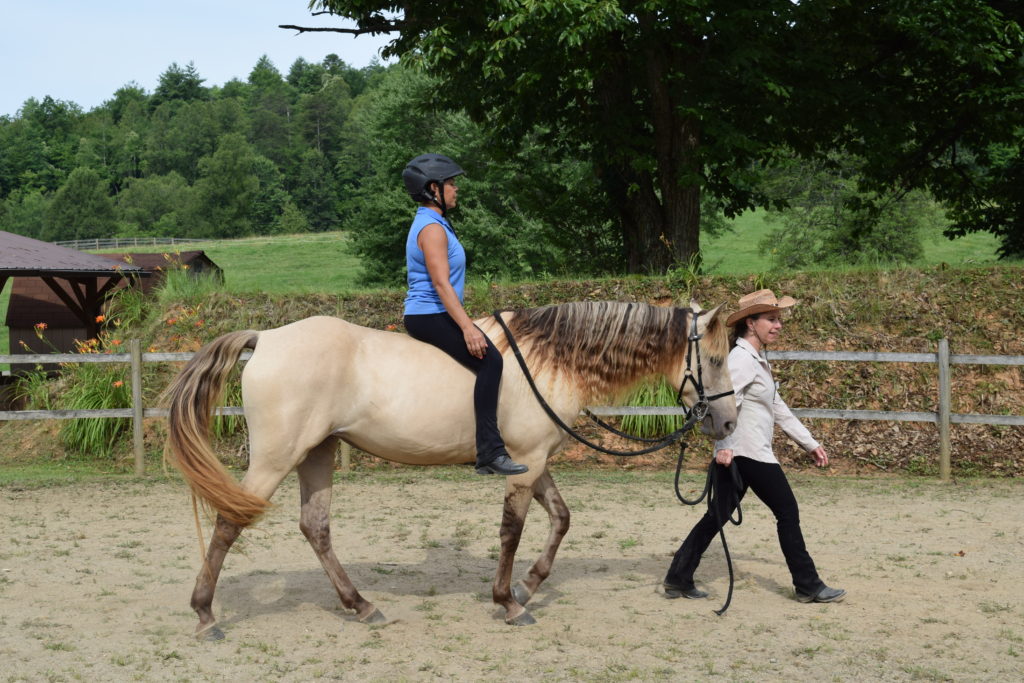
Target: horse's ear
column 717, row 313
column 694, row 306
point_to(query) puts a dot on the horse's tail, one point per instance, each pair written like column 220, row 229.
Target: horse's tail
column 190, row 400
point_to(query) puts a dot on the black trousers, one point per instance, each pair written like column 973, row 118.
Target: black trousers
column 769, row 483
column 441, row 331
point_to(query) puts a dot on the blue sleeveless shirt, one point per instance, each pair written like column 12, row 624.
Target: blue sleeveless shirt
column 422, row 298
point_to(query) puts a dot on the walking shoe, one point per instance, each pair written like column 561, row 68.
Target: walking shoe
column 673, row 592
column 826, row 594
column 502, row 465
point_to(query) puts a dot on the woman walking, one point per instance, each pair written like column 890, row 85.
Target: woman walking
column 756, row 324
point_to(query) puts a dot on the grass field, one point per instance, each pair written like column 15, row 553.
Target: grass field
column 737, row 252
column 323, row 262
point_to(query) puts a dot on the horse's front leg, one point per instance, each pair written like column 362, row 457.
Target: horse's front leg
column 517, row 502
column 546, row 493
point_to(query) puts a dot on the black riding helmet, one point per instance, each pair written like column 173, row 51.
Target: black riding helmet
column 426, row 169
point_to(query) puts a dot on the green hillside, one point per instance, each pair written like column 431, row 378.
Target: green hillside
column 323, row 262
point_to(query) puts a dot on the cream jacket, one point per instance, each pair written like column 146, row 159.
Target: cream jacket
column 759, row 408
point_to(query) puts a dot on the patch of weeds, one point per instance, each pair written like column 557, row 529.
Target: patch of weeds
column 59, row 647
column 923, row 673
column 628, row 543
column 121, row 660
column 809, row 652
column 374, row 641
column 1010, row 635
column 993, row 607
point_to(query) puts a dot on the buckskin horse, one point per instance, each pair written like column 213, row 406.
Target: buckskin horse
column 315, row 381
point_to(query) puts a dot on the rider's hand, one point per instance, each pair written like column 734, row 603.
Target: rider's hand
column 724, row 457
column 476, row 342
column 820, row 457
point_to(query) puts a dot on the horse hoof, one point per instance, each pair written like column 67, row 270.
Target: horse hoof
column 520, row 594
column 524, row 619
column 211, row 634
column 374, row 617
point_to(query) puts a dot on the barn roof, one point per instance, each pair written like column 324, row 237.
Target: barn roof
column 22, row 256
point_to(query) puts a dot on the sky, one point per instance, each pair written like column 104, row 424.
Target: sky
column 84, row 50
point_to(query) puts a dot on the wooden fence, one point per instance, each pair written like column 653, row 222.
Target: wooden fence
column 123, row 242
column 943, row 417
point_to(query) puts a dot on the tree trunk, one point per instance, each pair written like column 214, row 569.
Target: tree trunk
column 659, row 208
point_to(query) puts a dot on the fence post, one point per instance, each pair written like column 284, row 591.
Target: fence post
column 346, row 457
column 135, row 349
column 944, row 409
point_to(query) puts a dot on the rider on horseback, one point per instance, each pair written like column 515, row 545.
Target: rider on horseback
column 436, row 264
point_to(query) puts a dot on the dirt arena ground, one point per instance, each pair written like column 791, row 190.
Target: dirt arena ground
column 95, row 581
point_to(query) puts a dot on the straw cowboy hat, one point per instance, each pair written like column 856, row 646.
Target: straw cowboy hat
column 761, row 301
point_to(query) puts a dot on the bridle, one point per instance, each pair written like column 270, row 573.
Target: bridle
column 703, row 403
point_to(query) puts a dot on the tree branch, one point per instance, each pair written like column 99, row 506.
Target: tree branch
column 373, row 24
column 389, row 27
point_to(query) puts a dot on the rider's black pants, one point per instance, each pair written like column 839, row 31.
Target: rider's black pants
column 440, row 330
column 769, row 483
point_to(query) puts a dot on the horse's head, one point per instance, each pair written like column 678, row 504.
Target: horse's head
column 703, row 371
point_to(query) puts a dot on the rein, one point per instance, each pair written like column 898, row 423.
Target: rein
column 694, row 414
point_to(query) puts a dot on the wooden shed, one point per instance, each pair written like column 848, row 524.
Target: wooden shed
column 33, row 302
column 75, row 285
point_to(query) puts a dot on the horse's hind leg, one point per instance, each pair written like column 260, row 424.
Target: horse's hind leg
column 315, row 479
column 546, row 493
column 224, row 535
column 261, row 481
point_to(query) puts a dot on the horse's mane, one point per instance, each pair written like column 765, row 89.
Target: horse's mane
column 604, row 347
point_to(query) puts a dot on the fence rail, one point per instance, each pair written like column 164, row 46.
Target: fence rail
column 943, row 417
column 119, row 242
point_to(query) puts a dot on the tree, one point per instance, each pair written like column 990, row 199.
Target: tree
column 226, row 190
column 315, row 192
column 178, row 83
column 37, row 149
column 320, row 115
column 154, row 205
column 829, row 220
column 270, row 110
column 24, row 213
column 519, row 217
column 669, row 100
column 80, row 209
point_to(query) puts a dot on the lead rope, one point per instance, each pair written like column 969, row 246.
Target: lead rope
column 694, row 414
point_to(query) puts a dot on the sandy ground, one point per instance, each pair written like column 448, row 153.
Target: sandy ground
column 95, row 581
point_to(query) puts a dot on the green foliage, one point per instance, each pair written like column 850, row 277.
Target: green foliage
column 667, row 101
column 81, row 208
column 521, row 216
column 179, row 286
column 829, row 219
column 154, row 205
column 32, row 389
column 24, row 212
column 178, row 84
column 94, row 386
column 652, row 394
